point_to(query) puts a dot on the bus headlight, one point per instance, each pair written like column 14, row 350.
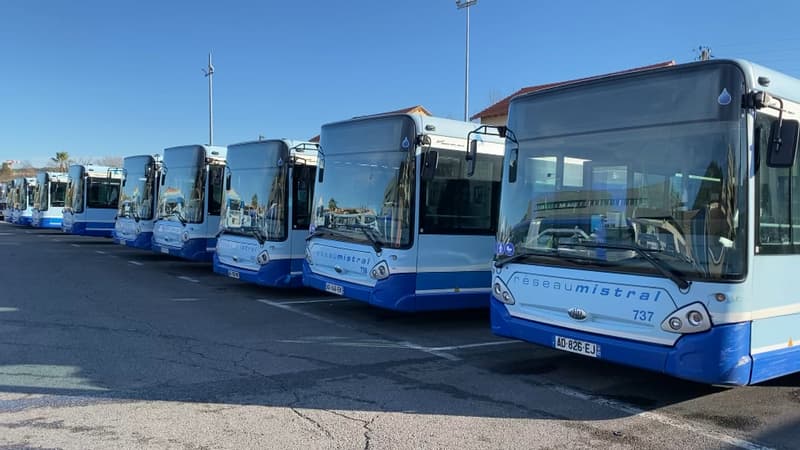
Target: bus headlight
column 501, row 292
column 693, row 318
column 380, row 271
column 262, row 257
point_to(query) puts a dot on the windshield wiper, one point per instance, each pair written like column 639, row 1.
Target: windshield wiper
column 500, row 262
column 176, row 214
column 259, row 234
column 320, row 231
column 664, row 269
column 377, row 245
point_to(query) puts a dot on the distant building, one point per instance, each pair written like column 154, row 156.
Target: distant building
column 419, row 109
column 497, row 114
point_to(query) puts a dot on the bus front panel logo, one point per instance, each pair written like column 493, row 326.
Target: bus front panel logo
column 577, row 314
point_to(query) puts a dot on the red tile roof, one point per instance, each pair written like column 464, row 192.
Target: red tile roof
column 501, row 108
column 419, row 109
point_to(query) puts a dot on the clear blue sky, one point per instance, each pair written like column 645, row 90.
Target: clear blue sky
column 98, row 78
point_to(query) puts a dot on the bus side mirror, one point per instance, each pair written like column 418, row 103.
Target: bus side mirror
column 228, row 182
column 513, row 163
column 471, row 157
column 429, row 163
column 320, row 170
column 783, row 143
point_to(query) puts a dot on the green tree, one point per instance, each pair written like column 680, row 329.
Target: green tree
column 61, row 159
column 332, row 205
column 6, row 173
column 254, row 201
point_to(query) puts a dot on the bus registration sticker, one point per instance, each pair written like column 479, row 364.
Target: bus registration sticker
column 233, row 274
column 165, row 250
column 334, row 288
column 576, row 346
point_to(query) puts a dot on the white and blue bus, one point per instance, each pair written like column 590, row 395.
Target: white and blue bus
column 267, row 212
column 8, row 207
column 397, row 222
column 190, row 202
column 3, row 199
column 22, row 213
column 137, row 202
column 48, row 202
column 652, row 219
column 92, row 199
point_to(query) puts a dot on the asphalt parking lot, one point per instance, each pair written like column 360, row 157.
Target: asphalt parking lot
column 106, row 346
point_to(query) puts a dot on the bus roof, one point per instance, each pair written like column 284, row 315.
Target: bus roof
column 774, row 82
column 427, row 125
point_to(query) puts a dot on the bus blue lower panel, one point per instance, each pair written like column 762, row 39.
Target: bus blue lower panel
column 398, row 292
column 25, row 221
column 102, row 229
column 776, row 363
column 143, row 240
column 718, row 356
column 194, row 249
column 49, row 222
column 276, row 273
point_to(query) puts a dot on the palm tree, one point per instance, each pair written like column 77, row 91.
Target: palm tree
column 61, row 159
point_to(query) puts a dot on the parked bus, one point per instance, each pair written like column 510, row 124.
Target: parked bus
column 190, row 202
column 267, row 212
column 651, row 219
column 48, row 201
column 11, row 193
column 397, row 222
column 137, row 204
column 22, row 213
column 3, row 200
column 92, row 199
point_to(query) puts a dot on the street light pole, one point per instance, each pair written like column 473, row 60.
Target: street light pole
column 465, row 4
column 209, row 73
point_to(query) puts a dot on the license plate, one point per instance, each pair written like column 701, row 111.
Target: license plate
column 121, row 242
column 165, row 250
column 576, row 346
column 233, row 274
column 334, row 288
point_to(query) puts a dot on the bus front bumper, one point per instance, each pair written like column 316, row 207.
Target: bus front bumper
column 198, row 249
column 276, row 273
column 718, row 356
column 143, row 240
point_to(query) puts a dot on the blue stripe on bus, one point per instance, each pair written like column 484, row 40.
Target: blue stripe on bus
column 775, row 363
column 193, row 249
column 50, row 222
column 276, row 273
column 445, row 280
column 103, row 229
column 397, row 292
column 718, row 356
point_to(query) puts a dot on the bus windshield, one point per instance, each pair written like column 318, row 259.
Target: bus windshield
column 58, row 193
column 102, row 193
column 181, row 199
column 256, row 204
column 368, row 197
column 367, row 194
column 137, row 198
column 673, row 189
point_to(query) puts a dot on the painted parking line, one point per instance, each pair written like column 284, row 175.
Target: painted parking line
column 136, row 263
column 75, row 245
column 691, row 427
column 185, row 299
column 398, row 344
column 100, row 252
column 321, row 300
column 475, row 345
column 189, row 279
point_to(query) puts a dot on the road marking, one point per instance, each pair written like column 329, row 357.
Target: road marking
column 477, row 344
column 100, row 252
column 136, row 263
column 75, row 245
column 402, row 344
column 322, row 300
column 189, row 279
column 187, row 299
column 6, row 234
column 660, row 418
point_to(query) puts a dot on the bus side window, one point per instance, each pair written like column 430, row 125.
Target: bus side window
column 778, row 194
column 216, row 186
column 303, row 185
